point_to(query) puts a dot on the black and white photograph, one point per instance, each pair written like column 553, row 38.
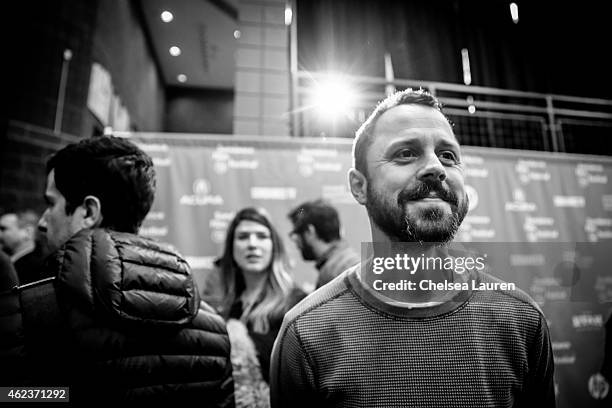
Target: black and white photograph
column 306, row 203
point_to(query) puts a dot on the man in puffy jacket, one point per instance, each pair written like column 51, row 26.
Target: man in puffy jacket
column 122, row 318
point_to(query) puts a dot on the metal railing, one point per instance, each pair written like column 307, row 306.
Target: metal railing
column 482, row 116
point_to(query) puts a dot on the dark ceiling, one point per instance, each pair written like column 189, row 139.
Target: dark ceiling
column 204, row 32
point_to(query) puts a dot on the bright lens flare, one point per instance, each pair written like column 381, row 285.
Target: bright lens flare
column 333, row 98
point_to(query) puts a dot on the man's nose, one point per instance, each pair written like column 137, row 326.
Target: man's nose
column 432, row 169
column 42, row 223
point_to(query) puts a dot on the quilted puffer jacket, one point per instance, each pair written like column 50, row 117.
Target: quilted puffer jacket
column 134, row 327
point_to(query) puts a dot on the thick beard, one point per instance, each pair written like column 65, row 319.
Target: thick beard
column 392, row 219
column 307, row 252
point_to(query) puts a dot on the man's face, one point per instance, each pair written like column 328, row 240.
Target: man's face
column 304, row 246
column 415, row 183
column 55, row 223
column 11, row 236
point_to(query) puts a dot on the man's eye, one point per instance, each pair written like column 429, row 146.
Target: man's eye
column 448, row 156
column 405, row 154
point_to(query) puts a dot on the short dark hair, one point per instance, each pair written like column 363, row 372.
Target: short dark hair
column 321, row 215
column 112, row 169
column 364, row 135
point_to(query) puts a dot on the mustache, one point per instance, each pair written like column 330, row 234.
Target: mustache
column 423, row 189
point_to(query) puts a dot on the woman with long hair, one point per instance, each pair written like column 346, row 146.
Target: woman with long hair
column 255, row 289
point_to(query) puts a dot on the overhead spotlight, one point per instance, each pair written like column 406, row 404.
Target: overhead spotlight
column 332, row 97
column 237, row 34
column 288, row 15
column 175, row 51
column 166, row 16
column 182, row 78
column 465, row 63
column 514, row 12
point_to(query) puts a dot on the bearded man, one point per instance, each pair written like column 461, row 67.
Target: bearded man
column 397, row 331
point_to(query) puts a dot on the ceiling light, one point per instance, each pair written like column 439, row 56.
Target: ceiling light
column 237, row 34
column 166, row 16
column 182, row 78
column 514, row 12
column 175, row 51
column 465, row 62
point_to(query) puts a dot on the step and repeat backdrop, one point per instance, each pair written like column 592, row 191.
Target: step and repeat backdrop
column 543, row 219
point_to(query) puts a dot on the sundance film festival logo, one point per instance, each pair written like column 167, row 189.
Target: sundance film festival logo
column 474, row 167
column 201, row 195
column 520, row 203
column 309, row 161
column 540, row 228
column 588, row 174
column 598, row 228
column 223, row 159
column 532, row 170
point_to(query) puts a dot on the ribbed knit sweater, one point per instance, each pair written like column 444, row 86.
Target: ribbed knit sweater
column 344, row 347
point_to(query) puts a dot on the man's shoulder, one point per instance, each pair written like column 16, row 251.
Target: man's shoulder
column 344, row 253
column 126, row 278
column 207, row 319
column 324, row 297
column 511, row 294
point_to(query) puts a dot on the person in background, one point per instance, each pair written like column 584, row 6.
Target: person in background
column 122, row 319
column 251, row 287
column 18, row 239
column 316, row 232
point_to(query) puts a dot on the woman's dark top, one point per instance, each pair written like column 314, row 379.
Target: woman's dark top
column 265, row 341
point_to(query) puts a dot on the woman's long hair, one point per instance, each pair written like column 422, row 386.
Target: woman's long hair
column 271, row 300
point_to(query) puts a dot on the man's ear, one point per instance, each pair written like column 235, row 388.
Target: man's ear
column 93, row 212
column 359, row 186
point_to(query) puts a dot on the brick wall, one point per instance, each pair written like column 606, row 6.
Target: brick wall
column 261, row 105
column 24, row 154
column 34, row 37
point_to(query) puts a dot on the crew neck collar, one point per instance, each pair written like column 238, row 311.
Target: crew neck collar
column 355, row 285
